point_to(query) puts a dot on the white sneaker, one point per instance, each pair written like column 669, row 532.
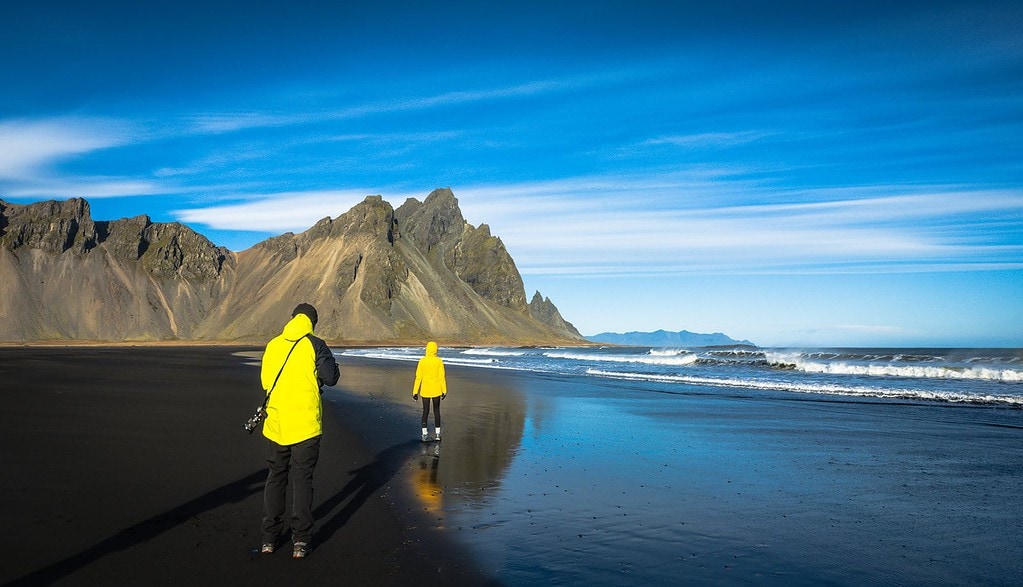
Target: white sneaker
column 426, row 437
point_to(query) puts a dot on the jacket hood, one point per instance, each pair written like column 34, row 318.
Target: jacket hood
column 431, row 349
column 298, row 327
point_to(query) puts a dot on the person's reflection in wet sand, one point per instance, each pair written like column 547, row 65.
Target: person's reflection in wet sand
column 424, row 480
column 481, row 437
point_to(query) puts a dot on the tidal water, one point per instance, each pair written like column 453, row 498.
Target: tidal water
column 978, row 376
column 723, row 465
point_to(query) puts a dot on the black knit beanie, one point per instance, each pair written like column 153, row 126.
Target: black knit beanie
column 306, row 309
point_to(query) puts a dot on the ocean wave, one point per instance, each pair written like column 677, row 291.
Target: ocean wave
column 493, row 352
column 818, row 388
column 740, row 353
column 465, row 361
column 667, row 359
column 384, row 354
column 906, row 368
column 666, row 352
column 414, row 354
column 811, row 371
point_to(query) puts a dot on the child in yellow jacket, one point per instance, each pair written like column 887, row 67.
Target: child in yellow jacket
column 432, row 386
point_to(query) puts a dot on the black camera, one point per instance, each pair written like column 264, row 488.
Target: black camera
column 254, row 421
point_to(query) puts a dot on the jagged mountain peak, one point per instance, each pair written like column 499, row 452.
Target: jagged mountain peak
column 54, row 226
column 543, row 310
column 376, row 274
column 433, row 225
column 164, row 248
column 371, row 216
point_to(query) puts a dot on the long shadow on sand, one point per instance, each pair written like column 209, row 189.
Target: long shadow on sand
column 365, row 483
column 233, row 492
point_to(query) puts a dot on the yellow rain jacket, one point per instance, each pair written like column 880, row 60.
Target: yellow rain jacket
column 430, row 380
column 294, row 413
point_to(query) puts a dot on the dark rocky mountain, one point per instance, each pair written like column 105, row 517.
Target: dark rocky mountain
column 544, row 311
column 662, row 338
column 376, row 275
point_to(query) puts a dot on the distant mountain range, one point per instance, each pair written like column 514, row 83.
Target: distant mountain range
column 663, row 338
column 377, row 275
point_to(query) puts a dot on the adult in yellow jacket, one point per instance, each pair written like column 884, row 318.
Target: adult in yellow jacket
column 295, row 367
column 432, row 386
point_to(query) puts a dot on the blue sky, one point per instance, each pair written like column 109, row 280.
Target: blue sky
column 794, row 173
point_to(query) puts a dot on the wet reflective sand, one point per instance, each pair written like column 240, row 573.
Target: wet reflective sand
column 482, row 429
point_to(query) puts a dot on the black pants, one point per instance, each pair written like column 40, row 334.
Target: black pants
column 295, row 463
column 436, row 410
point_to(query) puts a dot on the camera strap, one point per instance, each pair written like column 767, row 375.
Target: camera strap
column 271, row 390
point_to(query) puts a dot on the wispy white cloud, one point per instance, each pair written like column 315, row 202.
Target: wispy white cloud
column 90, row 187
column 454, row 98
column 708, row 140
column 213, row 163
column 605, row 226
column 275, row 213
column 29, row 147
column 223, row 122
column 31, row 150
column 575, row 228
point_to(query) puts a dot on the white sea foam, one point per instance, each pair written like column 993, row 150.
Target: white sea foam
column 929, row 371
column 667, row 352
column 414, row 354
column 644, row 359
column 493, row 352
column 837, row 373
column 384, row 354
column 820, row 388
column 464, row 361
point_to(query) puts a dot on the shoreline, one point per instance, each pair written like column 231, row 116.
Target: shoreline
column 334, row 344
column 341, row 345
column 131, row 465
column 557, row 478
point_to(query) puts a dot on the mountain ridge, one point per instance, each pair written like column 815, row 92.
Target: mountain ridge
column 663, row 338
column 378, row 275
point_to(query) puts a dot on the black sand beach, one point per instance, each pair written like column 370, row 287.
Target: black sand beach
column 129, row 465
